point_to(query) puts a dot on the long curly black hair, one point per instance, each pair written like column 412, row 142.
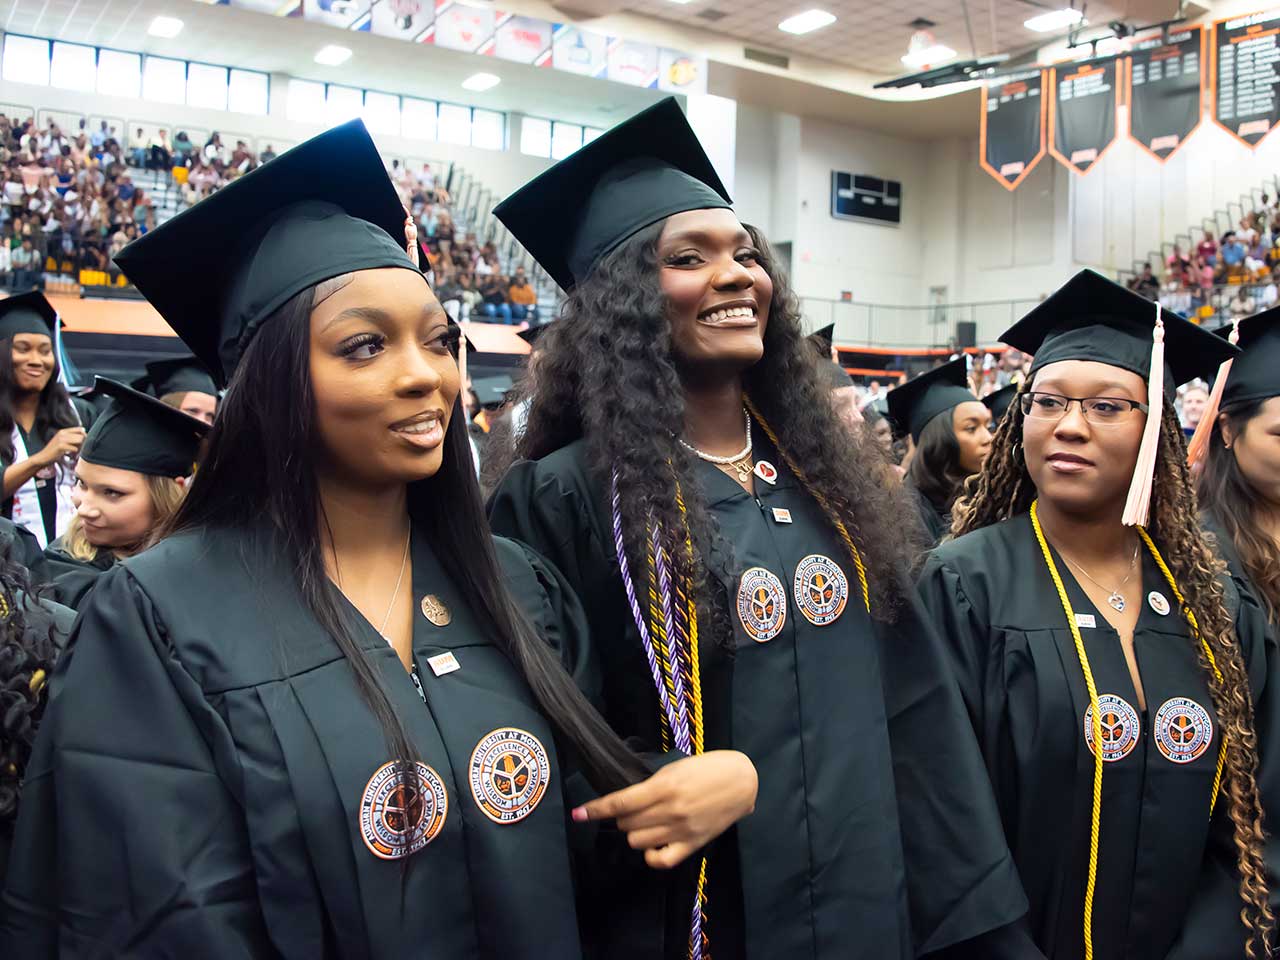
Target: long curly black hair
column 606, row 372
column 27, row 653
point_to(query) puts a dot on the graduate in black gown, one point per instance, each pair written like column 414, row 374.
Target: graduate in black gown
column 742, row 569
column 218, row 772
column 1239, row 485
column 32, row 632
column 949, row 427
column 184, row 384
column 1101, row 647
column 130, row 477
column 40, row 429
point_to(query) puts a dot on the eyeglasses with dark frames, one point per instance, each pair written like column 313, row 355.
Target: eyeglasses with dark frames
column 1037, row 405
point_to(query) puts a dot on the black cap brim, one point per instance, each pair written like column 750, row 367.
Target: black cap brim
column 1255, row 374
column 140, row 433
column 27, row 312
column 934, row 392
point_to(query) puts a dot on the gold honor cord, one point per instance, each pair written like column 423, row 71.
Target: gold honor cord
column 1095, row 824
column 822, row 502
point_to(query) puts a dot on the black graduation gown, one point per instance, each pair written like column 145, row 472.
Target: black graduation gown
column 1166, row 887
column 23, row 549
column 872, row 828
column 43, row 617
column 198, row 783
column 71, row 579
column 936, row 524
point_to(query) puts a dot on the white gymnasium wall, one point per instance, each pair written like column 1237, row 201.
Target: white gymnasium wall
column 500, row 170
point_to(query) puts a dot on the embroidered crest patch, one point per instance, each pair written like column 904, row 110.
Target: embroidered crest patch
column 396, row 821
column 1183, row 730
column 762, row 604
column 509, row 774
column 820, row 589
column 1121, row 727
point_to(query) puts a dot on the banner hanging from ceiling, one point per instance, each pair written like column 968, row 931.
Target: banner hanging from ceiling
column 1165, row 90
column 1244, row 77
column 1011, row 138
column 1082, row 112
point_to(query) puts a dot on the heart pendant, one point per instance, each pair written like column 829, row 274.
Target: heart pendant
column 1117, row 602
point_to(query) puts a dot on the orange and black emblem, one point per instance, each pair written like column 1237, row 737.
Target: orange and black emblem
column 762, row 604
column 1120, row 726
column 1183, row 730
column 399, row 819
column 821, row 589
column 509, row 773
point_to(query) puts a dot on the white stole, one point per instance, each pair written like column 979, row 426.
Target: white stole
column 26, row 501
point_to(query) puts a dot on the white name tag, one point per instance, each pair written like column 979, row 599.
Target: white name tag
column 1086, row 620
column 443, row 663
column 781, row 515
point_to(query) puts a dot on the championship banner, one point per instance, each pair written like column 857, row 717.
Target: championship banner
column 1011, row 127
column 1243, row 75
column 524, row 40
column 402, row 19
column 459, row 27
column 1082, row 112
column 635, row 64
column 579, row 51
column 1165, row 84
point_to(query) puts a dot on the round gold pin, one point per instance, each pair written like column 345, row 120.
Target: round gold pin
column 433, row 609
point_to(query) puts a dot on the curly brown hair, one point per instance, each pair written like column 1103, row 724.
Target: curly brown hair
column 606, row 372
column 1005, row 489
column 1235, row 504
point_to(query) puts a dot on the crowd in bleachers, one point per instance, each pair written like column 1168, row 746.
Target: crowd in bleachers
column 465, row 272
column 1234, row 275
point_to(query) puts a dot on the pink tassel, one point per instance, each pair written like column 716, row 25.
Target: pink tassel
column 1138, row 505
column 411, row 238
column 1199, row 444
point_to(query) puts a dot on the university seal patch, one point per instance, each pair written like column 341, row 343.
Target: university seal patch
column 820, row 589
column 762, row 604
column 1121, row 727
column 509, row 774
column 396, row 821
column 1183, row 730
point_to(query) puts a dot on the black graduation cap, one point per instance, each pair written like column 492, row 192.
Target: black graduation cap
column 640, row 172
column 221, row 267
column 530, row 335
column 1255, row 374
column 142, row 433
column 999, row 401
column 823, row 338
column 934, row 392
column 1093, row 318
column 27, row 312
column 176, row 375
column 492, row 391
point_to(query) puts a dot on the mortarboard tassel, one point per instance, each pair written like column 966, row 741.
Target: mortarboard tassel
column 1204, row 429
column 1139, row 502
column 411, row 238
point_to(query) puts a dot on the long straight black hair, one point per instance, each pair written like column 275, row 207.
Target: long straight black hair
column 935, row 469
column 53, row 411
column 261, row 467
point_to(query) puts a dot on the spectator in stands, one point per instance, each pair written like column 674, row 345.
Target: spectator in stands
column 1247, row 234
column 27, row 267
column 138, row 151
column 214, row 152
column 182, row 147
column 242, row 158
column 426, row 179
column 523, row 298
column 161, row 152
column 1177, row 265
column 1242, row 304
column 1208, row 249
column 493, row 291
column 1145, row 284
column 99, row 136
column 267, row 154
column 1233, row 253
column 470, row 296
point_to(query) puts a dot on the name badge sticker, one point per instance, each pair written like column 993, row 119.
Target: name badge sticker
column 781, row 515
column 1086, row 620
column 443, row 663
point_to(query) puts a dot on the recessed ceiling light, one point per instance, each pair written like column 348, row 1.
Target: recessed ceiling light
column 807, row 22
column 167, row 27
column 480, row 82
column 682, row 2
column 933, row 56
column 1053, row 20
column 333, row 56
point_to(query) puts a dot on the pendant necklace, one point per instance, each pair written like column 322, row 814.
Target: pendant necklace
column 740, row 462
column 404, row 562
column 1116, row 599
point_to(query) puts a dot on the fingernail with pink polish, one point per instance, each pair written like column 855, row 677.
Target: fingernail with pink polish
column 579, row 814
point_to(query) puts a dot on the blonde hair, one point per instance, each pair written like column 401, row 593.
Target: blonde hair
column 166, row 497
